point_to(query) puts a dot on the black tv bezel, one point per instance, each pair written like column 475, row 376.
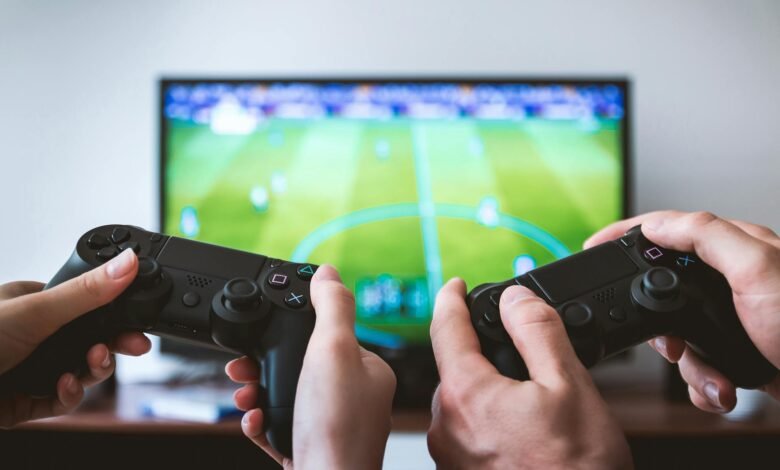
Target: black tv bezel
column 623, row 83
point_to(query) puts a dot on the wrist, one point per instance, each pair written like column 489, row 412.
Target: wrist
column 352, row 459
column 343, row 452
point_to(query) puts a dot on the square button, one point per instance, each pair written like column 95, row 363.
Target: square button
column 653, row 253
column 278, row 280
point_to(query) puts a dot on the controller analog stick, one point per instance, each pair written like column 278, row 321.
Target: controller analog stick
column 241, row 294
column 661, row 284
column 149, row 272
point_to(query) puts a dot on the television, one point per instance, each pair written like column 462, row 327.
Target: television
column 400, row 183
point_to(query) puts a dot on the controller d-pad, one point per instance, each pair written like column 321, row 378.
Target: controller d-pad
column 491, row 317
column 132, row 245
column 495, row 297
column 97, row 241
column 120, row 234
column 107, row 253
column 295, row 300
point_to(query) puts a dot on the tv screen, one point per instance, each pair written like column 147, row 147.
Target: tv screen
column 400, row 184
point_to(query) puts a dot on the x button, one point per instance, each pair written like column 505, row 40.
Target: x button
column 295, row 300
column 686, row 260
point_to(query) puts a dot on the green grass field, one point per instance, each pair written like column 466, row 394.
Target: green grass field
column 398, row 197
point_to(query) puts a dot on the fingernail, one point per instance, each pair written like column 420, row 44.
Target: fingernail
column 327, row 273
column 514, row 294
column 106, row 361
column 245, row 426
column 586, row 242
column 121, row 265
column 660, row 346
column 73, row 386
column 712, row 394
column 654, row 224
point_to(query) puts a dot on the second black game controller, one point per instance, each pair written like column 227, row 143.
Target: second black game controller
column 621, row 293
column 204, row 294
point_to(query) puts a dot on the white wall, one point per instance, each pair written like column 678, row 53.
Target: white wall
column 77, row 90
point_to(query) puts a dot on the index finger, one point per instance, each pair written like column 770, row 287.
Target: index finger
column 619, row 228
column 455, row 343
column 19, row 288
column 716, row 241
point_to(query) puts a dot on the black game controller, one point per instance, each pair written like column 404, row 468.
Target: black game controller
column 622, row 293
column 216, row 297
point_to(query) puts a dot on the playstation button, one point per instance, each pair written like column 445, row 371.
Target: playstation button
column 617, row 314
column 190, row 299
column 576, row 315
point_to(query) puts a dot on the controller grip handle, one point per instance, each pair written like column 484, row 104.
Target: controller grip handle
column 731, row 352
column 64, row 351
column 280, row 372
column 504, row 358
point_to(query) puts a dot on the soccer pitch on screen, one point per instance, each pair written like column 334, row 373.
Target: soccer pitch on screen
column 398, row 206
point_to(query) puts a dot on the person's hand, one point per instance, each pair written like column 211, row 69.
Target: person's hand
column 344, row 398
column 29, row 315
column 748, row 255
column 481, row 419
